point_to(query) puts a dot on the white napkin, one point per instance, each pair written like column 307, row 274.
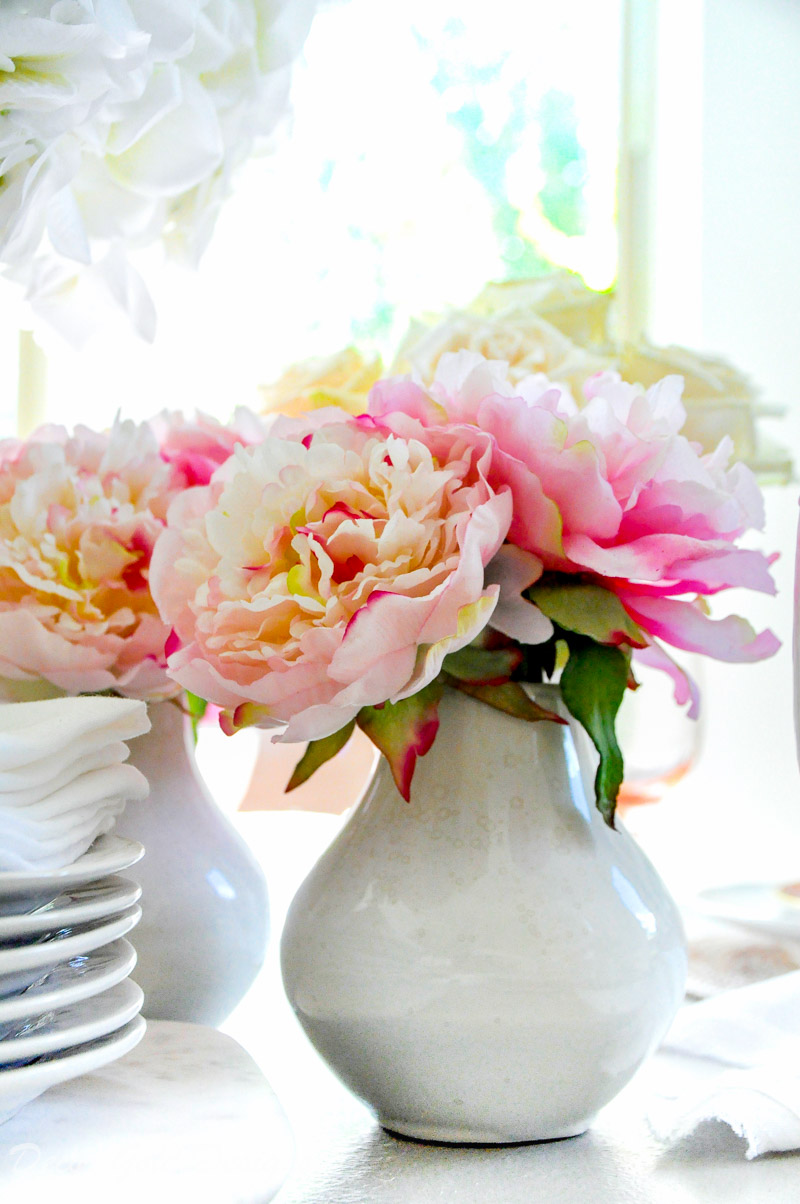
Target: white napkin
column 63, row 780
column 57, row 850
column 740, row 1064
column 85, row 790
column 19, row 787
column 53, row 732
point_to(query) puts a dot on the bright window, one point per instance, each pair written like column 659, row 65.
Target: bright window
column 429, row 153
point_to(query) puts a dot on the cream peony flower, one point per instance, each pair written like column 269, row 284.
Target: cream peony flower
column 79, row 516
column 122, row 122
column 343, row 380
column 322, row 574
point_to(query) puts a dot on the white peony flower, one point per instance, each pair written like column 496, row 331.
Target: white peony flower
column 122, row 122
column 520, row 323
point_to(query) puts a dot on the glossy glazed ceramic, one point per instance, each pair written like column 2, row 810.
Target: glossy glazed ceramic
column 22, row 891
column 205, row 918
column 22, row 965
column 79, row 978
column 75, row 1024
column 79, row 905
column 489, row 963
column 18, row 1086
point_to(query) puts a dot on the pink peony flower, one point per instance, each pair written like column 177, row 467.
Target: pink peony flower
column 197, row 447
column 330, row 568
column 79, row 517
column 614, row 493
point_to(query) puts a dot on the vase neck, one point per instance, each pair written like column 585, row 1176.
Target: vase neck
column 165, row 754
column 485, row 760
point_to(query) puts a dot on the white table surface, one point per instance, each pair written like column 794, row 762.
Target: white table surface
column 344, row 1157
column 186, row 1117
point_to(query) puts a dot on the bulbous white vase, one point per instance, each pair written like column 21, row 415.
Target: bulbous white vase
column 489, row 963
column 205, row 917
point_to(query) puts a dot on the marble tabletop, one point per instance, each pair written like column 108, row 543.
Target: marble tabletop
column 186, row 1116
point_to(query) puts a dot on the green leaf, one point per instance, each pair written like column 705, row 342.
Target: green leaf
column 197, row 708
column 482, row 666
column 587, row 609
column 510, row 698
column 404, row 730
column 592, row 685
column 317, row 753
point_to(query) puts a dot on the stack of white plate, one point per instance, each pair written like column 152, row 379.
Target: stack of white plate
column 67, row 1005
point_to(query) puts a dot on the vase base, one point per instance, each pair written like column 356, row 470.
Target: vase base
column 440, row 1135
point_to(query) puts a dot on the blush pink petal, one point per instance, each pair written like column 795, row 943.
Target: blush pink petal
column 515, row 570
column 570, row 475
column 482, row 538
column 315, row 723
column 166, row 574
column 29, row 651
column 472, row 619
column 188, row 666
column 287, row 427
column 197, row 447
column 684, row 625
column 392, row 671
column 388, row 628
column 280, row 696
column 402, row 394
column 686, row 690
column 725, row 570
column 536, row 524
column 647, row 559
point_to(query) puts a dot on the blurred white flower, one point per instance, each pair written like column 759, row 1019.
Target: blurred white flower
column 552, row 325
column 121, row 123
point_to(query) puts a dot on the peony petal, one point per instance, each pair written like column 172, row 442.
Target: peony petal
column 482, row 539
column 684, row 625
column 686, row 689
column 515, row 570
column 650, row 558
column 471, row 621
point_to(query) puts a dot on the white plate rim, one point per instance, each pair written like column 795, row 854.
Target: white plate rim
column 126, row 893
column 123, row 1002
column 783, row 920
column 18, row 958
column 114, row 854
column 81, row 1059
column 17, row 1007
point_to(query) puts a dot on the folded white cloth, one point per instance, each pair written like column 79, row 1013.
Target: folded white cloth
column 740, row 1064
column 63, row 777
column 20, row 791
column 85, row 790
column 55, row 851
column 55, row 730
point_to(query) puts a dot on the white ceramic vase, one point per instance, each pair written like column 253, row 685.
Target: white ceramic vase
column 491, row 962
column 205, row 917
